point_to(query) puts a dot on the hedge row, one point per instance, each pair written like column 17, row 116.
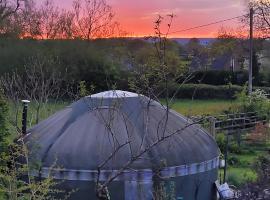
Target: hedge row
column 204, row 91
column 215, row 77
column 3, row 120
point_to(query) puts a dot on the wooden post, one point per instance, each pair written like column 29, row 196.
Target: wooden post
column 213, row 126
column 226, row 157
column 250, row 76
column 239, row 134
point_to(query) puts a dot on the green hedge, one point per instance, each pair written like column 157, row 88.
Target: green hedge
column 204, row 91
column 216, row 77
column 3, row 121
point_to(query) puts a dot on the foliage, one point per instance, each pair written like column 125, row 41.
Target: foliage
column 258, row 189
column 158, row 64
column 16, row 181
column 219, row 77
column 260, row 135
column 39, row 82
column 101, row 62
column 226, row 43
column 240, row 176
column 262, row 165
column 165, row 191
column 234, row 147
column 223, row 77
column 221, row 141
column 261, row 17
column 82, row 89
column 257, row 101
column 3, row 121
column 107, row 62
column 197, row 54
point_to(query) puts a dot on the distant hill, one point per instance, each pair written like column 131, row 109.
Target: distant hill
column 182, row 41
column 203, row 41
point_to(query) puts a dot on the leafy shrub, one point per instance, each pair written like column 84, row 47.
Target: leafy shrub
column 221, row 141
column 262, row 166
column 214, row 77
column 258, row 188
column 257, row 101
column 234, row 148
column 233, row 179
column 238, row 178
column 3, row 121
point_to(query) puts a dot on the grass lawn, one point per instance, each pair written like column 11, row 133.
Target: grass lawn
column 238, row 176
column 202, row 107
column 242, row 171
column 45, row 111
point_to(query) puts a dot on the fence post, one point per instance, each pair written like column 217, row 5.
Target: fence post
column 213, row 126
column 238, row 136
column 226, row 156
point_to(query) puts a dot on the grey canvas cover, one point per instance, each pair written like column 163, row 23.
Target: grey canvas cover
column 86, row 133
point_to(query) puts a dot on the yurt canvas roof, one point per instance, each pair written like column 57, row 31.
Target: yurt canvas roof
column 84, row 134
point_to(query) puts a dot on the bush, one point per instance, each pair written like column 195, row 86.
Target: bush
column 256, row 102
column 258, row 188
column 234, row 148
column 214, row 77
column 238, row 177
column 221, row 141
column 262, row 166
column 233, row 179
column 204, row 91
column 3, row 121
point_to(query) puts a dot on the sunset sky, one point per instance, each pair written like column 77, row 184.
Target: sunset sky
column 137, row 16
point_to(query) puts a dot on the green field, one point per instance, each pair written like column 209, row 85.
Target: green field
column 46, row 110
column 183, row 106
column 202, row 107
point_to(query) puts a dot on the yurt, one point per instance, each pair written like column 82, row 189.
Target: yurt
column 133, row 143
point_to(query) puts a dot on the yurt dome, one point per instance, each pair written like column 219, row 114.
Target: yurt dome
column 112, row 128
